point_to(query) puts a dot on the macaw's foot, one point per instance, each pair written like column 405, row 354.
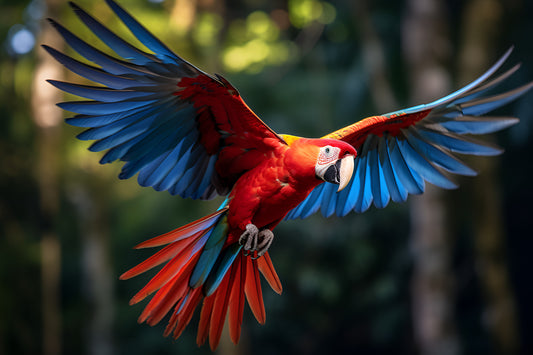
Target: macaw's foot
column 255, row 240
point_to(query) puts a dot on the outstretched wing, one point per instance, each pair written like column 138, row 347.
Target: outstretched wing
column 399, row 151
column 181, row 129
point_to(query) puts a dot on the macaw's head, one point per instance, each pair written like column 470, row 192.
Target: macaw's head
column 335, row 162
column 329, row 160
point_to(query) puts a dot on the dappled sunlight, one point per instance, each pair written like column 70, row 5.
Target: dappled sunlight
column 182, row 15
column 253, row 56
column 304, row 12
column 260, row 25
column 47, row 115
column 206, row 29
column 257, row 43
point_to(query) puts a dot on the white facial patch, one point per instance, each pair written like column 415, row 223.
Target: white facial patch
column 327, row 155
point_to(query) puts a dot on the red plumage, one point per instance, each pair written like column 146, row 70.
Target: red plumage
column 261, row 196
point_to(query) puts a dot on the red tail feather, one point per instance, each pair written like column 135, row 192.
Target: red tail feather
column 187, row 310
column 268, row 271
column 220, row 308
column 158, row 258
column 252, row 289
column 236, row 301
column 155, row 300
column 171, row 269
column 205, row 319
column 180, row 287
column 173, row 291
column 174, row 319
column 182, row 232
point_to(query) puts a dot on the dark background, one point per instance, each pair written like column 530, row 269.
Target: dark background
column 445, row 273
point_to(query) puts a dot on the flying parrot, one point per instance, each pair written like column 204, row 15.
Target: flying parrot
column 190, row 133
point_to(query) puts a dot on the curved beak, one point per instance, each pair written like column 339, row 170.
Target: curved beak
column 345, row 171
column 340, row 172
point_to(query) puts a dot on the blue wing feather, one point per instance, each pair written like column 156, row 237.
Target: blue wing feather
column 437, row 155
column 90, row 72
column 149, row 152
column 396, row 189
column 427, row 170
column 365, row 197
column 459, row 144
column 391, row 166
column 158, row 141
column 379, row 189
column 312, row 203
column 118, row 150
column 408, row 177
column 180, row 187
column 121, row 130
column 196, row 188
column 153, row 174
column 205, row 182
column 99, row 121
column 103, row 108
column 483, row 105
column 140, row 116
column 108, row 63
column 117, row 44
column 100, row 93
column 178, row 169
column 142, row 34
column 149, row 172
column 472, row 125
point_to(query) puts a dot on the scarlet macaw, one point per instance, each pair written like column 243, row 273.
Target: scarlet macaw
column 191, row 134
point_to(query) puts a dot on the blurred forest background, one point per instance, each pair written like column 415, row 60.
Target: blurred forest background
column 448, row 272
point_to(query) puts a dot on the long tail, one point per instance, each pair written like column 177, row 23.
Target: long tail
column 200, row 266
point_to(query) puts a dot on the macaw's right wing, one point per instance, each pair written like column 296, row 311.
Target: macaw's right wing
column 181, row 129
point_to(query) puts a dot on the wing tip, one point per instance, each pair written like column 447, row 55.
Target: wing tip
column 74, row 6
column 47, row 48
column 53, row 82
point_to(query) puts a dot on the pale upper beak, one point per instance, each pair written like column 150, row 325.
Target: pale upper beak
column 345, row 171
column 339, row 172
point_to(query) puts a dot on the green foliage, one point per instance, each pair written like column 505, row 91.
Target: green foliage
column 255, row 43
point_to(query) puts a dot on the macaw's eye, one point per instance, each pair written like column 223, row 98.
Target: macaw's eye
column 328, row 154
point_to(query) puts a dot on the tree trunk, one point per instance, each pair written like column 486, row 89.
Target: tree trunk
column 481, row 22
column 97, row 281
column 47, row 118
column 426, row 50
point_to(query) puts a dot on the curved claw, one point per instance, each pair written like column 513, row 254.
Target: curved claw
column 256, row 242
column 248, row 238
column 265, row 239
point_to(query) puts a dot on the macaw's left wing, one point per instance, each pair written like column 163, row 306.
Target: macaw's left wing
column 400, row 150
column 181, row 129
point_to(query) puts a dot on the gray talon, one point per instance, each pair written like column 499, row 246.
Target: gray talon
column 266, row 237
column 249, row 237
column 254, row 240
